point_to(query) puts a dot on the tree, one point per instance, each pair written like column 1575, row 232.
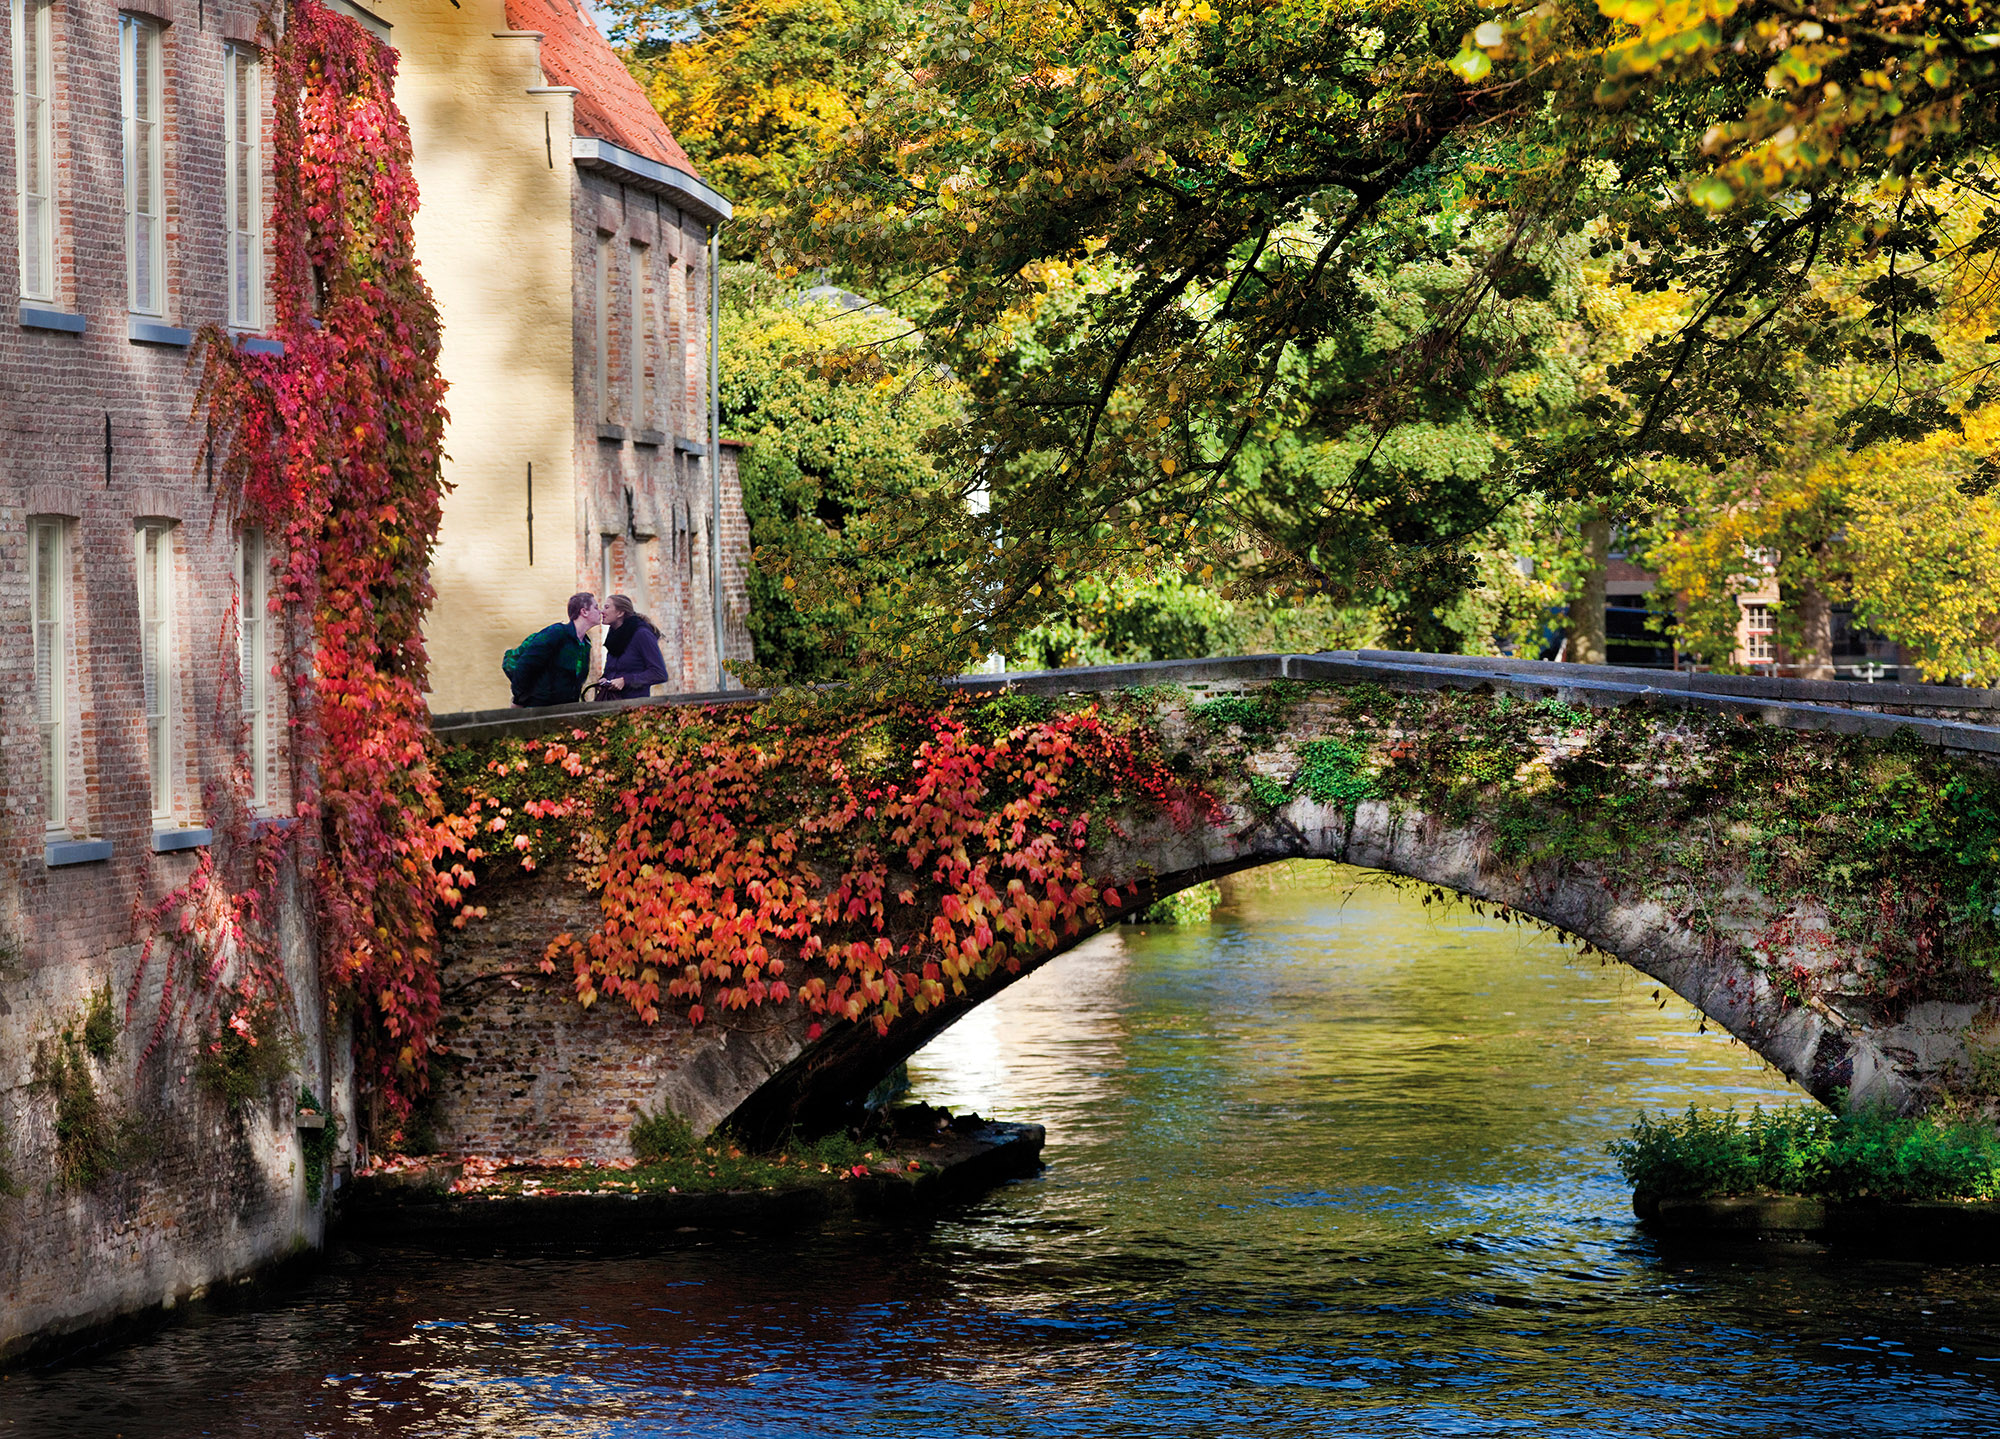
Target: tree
column 1858, row 502
column 754, row 91
column 827, row 569
column 1195, row 207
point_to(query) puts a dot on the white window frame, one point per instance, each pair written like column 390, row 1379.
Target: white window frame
column 34, row 114
column 1757, row 632
column 253, row 655
column 243, row 151
column 48, row 612
column 154, row 558
column 142, row 106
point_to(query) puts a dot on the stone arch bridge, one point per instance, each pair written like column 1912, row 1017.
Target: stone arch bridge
column 1809, row 864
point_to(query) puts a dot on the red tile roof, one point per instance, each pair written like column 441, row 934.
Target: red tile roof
column 610, row 105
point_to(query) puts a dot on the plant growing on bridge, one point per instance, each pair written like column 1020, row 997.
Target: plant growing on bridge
column 867, row 863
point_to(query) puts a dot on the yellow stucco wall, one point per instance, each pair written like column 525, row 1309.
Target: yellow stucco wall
column 493, row 236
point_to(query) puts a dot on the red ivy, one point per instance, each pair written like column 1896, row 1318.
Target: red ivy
column 335, row 447
column 857, row 868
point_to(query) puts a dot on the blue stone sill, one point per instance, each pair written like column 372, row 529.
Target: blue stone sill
column 60, row 852
column 254, row 345
column 41, row 317
column 152, row 332
column 166, row 841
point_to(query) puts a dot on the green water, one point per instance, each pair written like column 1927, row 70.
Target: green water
column 1330, row 1164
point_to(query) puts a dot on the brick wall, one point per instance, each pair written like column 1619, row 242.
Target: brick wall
column 644, row 505
column 204, row 1192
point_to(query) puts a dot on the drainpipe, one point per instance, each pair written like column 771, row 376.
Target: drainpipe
column 715, row 438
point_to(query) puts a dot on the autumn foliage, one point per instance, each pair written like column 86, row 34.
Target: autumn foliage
column 861, row 866
column 334, row 447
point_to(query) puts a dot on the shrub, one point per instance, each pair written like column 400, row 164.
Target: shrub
column 1862, row 1153
column 1192, row 905
column 249, row 1050
column 661, row 1136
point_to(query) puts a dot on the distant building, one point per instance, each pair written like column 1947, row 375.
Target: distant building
column 565, row 235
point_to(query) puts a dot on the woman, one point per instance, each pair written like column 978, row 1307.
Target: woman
column 632, row 663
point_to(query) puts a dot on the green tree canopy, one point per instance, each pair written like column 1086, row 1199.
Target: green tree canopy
column 1298, row 281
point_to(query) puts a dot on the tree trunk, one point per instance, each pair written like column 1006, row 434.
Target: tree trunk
column 1814, row 657
column 1586, row 611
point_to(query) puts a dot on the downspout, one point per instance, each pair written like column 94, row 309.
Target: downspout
column 715, row 438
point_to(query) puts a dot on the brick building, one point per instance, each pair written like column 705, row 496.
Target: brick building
column 140, row 726
column 566, row 237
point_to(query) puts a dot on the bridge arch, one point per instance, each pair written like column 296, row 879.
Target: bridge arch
column 1387, row 767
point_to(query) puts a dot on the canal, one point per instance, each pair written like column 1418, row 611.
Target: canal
column 1331, row 1164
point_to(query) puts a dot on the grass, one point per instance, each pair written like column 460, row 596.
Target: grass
column 1862, row 1153
column 670, row 1157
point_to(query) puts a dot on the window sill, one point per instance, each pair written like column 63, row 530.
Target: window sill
column 265, row 824
column 689, row 447
column 166, row 841
column 39, row 317
column 611, row 432
column 254, row 345
column 152, row 332
column 651, row 439
column 60, row 852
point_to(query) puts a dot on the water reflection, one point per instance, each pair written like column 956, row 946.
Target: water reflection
column 1328, row 1165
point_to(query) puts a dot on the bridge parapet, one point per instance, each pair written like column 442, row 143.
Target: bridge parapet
column 1963, row 720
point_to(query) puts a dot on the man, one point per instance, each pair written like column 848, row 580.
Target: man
column 550, row 665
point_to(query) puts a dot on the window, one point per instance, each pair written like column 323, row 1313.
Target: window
column 1757, row 632
column 253, row 655
column 604, row 397
column 242, row 128
column 48, row 601
column 156, row 648
column 641, row 334
column 145, row 232
column 34, row 142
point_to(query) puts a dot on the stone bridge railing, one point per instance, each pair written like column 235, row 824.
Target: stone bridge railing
column 1954, row 718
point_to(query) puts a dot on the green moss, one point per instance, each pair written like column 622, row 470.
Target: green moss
column 87, row 1135
column 9, row 1186
column 1335, row 771
column 1811, row 1152
column 317, row 1146
column 100, row 1025
column 1267, row 791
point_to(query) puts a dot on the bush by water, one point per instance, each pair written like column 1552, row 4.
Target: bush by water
column 1812, row 1152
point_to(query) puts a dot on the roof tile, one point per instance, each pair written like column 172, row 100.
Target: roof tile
column 609, row 103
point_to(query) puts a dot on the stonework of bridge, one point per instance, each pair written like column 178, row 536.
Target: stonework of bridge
column 1788, row 973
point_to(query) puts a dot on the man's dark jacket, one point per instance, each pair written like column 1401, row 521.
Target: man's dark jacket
column 549, row 667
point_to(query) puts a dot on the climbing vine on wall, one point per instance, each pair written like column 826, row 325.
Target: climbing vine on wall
column 863, row 866
column 334, row 448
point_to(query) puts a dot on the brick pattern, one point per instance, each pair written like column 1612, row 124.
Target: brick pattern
column 220, row 1191
column 644, row 506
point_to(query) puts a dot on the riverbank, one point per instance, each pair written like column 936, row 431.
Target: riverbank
column 924, row 1158
column 1956, row 1229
